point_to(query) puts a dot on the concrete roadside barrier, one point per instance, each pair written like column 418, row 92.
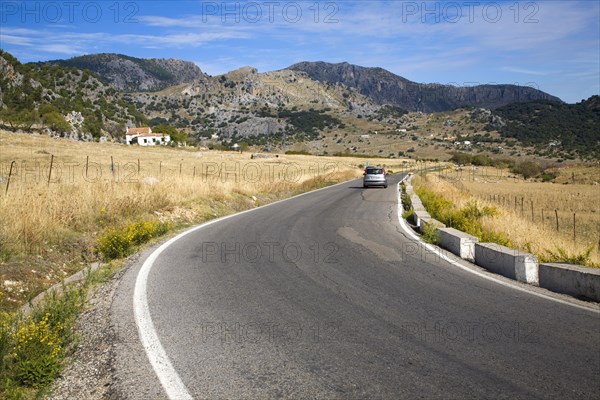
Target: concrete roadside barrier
column 419, row 216
column 571, row 279
column 458, row 243
column 426, row 222
column 511, row 263
column 416, row 203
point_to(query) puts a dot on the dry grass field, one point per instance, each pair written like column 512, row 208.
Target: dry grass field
column 52, row 218
column 537, row 216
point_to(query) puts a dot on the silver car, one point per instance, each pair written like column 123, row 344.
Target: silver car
column 375, row 176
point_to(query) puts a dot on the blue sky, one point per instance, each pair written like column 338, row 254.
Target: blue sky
column 550, row 45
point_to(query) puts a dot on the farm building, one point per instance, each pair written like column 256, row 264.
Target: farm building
column 145, row 137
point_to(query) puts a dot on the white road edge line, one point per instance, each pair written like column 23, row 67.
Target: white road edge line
column 436, row 250
column 163, row 368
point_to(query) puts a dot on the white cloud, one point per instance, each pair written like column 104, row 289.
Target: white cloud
column 60, row 48
column 527, row 71
column 15, row 40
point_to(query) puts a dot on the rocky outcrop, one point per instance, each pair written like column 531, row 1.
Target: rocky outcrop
column 132, row 74
column 385, row 87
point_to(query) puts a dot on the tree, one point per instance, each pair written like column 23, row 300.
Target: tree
column 461, row 158
column 23, row 119
column 243, row 147
column 56, row 121
column 528, row 169
column 176, row 136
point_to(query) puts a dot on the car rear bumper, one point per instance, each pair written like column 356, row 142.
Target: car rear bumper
column 374, row 183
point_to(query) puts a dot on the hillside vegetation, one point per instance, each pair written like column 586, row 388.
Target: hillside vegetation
column 32, row 95
column 555, row 129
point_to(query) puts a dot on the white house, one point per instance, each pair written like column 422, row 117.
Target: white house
column 145, row 137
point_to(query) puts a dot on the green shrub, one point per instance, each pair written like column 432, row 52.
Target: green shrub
column 406, row 201
column 563, row 256
column 466, row 219
column 495, row 237
column 409, row 215
column 119, row 242
column 528, row 169
column 431, row 234
column 37, row 351
column 435, row 204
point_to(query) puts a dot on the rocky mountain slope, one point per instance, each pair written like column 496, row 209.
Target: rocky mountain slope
column 385, row 87
column 61, row 101
column 258, row 108
column 126, row 73
column 331, row 109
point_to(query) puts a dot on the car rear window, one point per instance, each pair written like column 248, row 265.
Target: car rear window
column 374, row 170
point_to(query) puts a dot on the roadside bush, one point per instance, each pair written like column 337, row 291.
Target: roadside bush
column 562, row 255
column 409, row 215
column 528, row 169
column 406, row 201
column 431, row 234
column 436, row 205
column 467, row 219
column 119, row 242
column 32, row 348
column 37, row 352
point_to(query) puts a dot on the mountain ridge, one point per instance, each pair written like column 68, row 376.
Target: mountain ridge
column 289, row 106
column 126, row 73
column 385, row 87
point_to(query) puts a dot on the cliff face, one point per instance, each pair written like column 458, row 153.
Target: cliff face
column 130, row 74
column 385, row 87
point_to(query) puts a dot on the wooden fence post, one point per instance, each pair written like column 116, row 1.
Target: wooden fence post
column 543, row 219
column 51, row 164
column 9, row 176
column 532, row 217
column 574, row 231
column 522, row 206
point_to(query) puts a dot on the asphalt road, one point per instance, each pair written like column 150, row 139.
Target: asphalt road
column 324, row 296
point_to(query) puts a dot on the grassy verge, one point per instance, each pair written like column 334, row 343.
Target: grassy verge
column 490, row 222
column 33, row 347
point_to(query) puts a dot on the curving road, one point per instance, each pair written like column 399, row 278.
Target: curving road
column 325, row 296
